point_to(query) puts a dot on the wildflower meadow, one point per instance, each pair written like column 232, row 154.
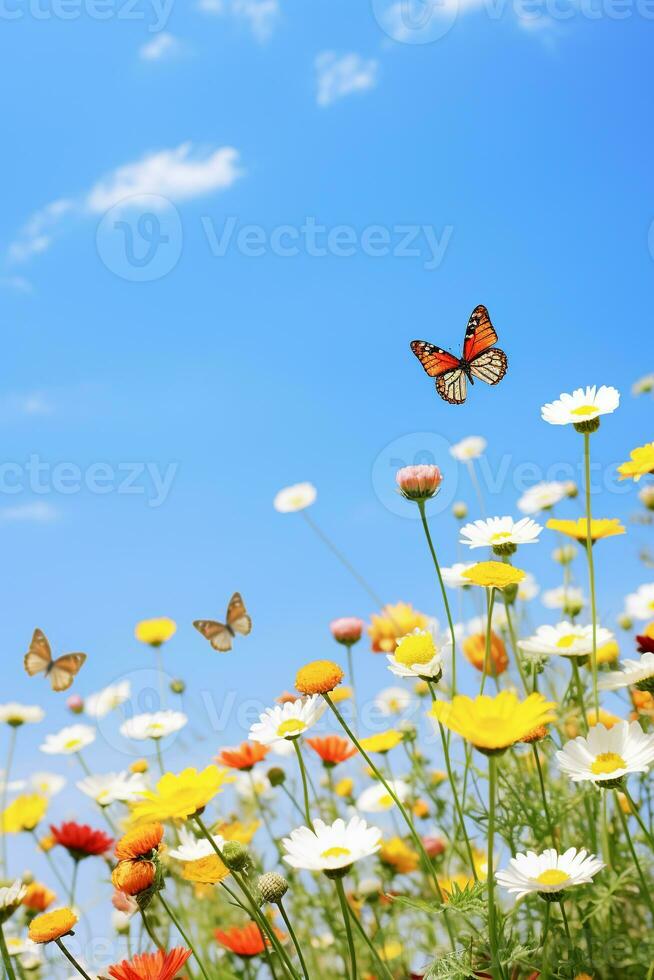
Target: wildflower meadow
column 488, row 813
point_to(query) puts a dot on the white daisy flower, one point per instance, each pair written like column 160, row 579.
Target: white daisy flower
column 377, row 799
column 331, row 846
column 392, row 701
column 192, row 848
column 542, row 496
column 607, row 754
column 15, row 714
column 252, row 785
column 548, row 873
column 640, row 604
column 71, row 739
column 287, row 720
column 583, row 405
column 639, row 673
column 297, row 497
column 565, row 639
column 47, row 783
column 113, row 787
column 643, row 386
column 498, row 532
column 453, row 575
column 469, row 448
column 568, row 598
column 157, row 725
column 10, row 898
column 419, row 654
column 100, row 704
column 528, row 589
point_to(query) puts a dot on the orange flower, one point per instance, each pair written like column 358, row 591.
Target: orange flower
column 133, row 877
column 394, row 622
column 151, row 966
column 142, row 840
column 474, row 649
column 38, row 897
column 244, row 756
column 52, row 925
column 243, row 940
column 332, row 749
column 642, row 701
column 318, row 677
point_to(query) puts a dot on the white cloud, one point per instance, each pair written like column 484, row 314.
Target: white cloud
column 37, row 513
column 261, row 16
column 338, row 76
column 178, row 175
column 25, row 404
column 161, row 46
column 19, row 283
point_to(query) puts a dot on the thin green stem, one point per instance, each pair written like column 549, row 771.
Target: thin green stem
column 11, row 748
column 294, row 939
column 350, row 672
column 490, row 602
column 546, row 809
column 580, row 691
column 73, row 883
column 591, row 567
column 425, row 524
column 567, row 930
column 6, row 958
column 369, row 943
column 644, row 886
column 348, row 927
column 150, row 931
column 343, row 560
column 514, row 643
column 184, row 935
column 305, row 785
column 495, row 966
column 636, row 814
column 71, row 959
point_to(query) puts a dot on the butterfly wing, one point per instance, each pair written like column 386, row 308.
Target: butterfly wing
column 64, row 669
column 218, row 635
column 490, row 366
column 480, row 334
column 453, row 386
column 39, row 656
column 237, row 616
column 434, row 360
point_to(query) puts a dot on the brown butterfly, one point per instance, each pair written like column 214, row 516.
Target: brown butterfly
column 61, row 671
column 220, row 635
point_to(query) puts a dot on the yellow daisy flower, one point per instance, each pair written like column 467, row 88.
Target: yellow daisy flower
column 207, row 870
column 493, row 574
column 154, row 632
column 178, row 796
column 492, row 724
column 344, row 787
column 392, row 623
column 395, row 854
column 601, row 528
column 641, row 463
column 24, row 813
column 607, row 653
column 237, row 830
column 382, row 742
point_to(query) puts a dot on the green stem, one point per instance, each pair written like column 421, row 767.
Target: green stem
column 591, row 567
column 71, row 959
column 348, row 927
column 73, row 883
column 567, row 930
column 580, row 691
column 294, row 940
column 5, row 788
column 644, row 886
column 343, row 560
column 550, row 825
column 514, row 644
column 350, row 672
column 305, row 785
column 371, row 946
column 184, row 935
column 6, row 958
column 495, row 966
column 160, row 761
column 490, row 602
column 153, row 936
column 639, row 819
column 423, row 518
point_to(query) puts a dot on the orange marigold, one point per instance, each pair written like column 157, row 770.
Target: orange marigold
column 244, row 756
column 318, row 677
column 151, row 966
column 133, row 877
column 332, row 749
column 243, row 940
column 38, row 897
column 474, row 649
column 142, row 840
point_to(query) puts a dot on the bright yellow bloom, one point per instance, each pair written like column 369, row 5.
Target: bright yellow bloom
column 399, row 856
column 390, row 950
column 238, row 831
column 608, row 653
column 180, row 795
column 318, row 677
column 341, row 693
column 52, row 925
column 382, row 742
column 416, row 648
column 46, row 843
column 605, row 527
column 493, row 723
column 447, row 884
column 642, row 462
column 154, row 632
column 394, row 622
column 344, row 787
column 493, row 574
column 207, row 870
column 24, row 813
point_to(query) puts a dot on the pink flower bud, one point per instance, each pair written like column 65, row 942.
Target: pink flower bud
column 124, row 903
column 419, row 482
column 347, row 630
column 75, row 704
column 433, row 846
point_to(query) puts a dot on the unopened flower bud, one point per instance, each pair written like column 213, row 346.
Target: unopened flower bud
column 272, row 887
column 75, row 704
column 646, row 496
column 625, row 621
column 419, row 482
column 276, row 776
column 177, row 686
column 235, row 855
column 459, row 510
column 347, row 630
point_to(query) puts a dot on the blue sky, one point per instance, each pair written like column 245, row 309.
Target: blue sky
column 522, row 148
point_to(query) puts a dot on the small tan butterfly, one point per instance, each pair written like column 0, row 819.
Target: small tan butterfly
column 61, row 672
column 220, row 635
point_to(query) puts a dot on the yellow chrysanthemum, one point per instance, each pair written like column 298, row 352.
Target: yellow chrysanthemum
column 641, row 463
column 605, row 527
column 395, row 854
column 52, row 925
column 344, row 787
column 493, row 574
column 492, row 724
column 179, row 795
column 416, row 648
column 392, row 623
column 154, row 632
column 318, row 677
column 341, row 693
column 207, row 870
column 237, row 830
column 24, row 813
column 382, row 742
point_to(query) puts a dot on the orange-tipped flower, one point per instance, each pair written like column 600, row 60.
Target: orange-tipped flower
column 244, row 756
column 140, row 841
column 243, row 940
column 133, row 877
column 151, row 966
column 474, row 649
column 318, row 677
column 332, row 749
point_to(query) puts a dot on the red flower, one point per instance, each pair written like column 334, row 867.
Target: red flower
column 244, row 756
column 151, row 966
column 645, row 644
column 332, row 749
column 433, row 846
column 80, row 840
column 242, row 940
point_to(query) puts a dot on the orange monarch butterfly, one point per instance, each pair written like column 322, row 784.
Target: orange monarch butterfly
column 479, row 359
column 220, row 635
column 61, row 672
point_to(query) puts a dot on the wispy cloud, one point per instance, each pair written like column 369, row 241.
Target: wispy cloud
column 338, row 76
column 162, row 47
column 177, row 175
column 38, row 512
column 19, row 405
column 260, row 16
column 18, row 283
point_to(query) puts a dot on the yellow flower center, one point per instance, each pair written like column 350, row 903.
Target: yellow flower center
column 566, row 641
column 417, row 648
column 650, row 605
column 607, row 762
column 500, row 536
column 584, row 410
column 102, row 795
column 335, row 852
column 552, row 877
column 290, row 727
column 72, row 744
column 386, row 801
